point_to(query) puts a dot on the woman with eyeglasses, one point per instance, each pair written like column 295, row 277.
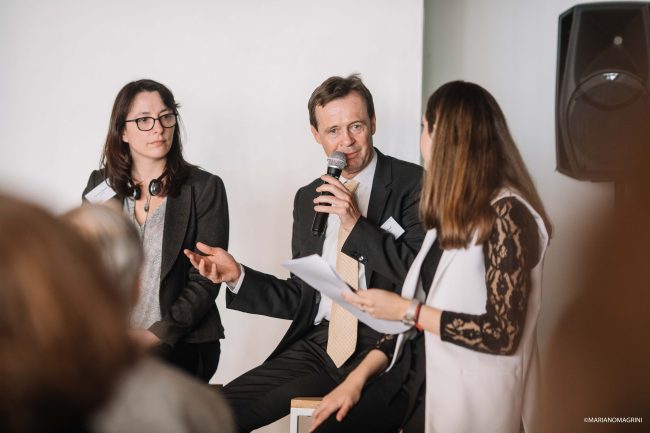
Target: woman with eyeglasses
column 174, row 205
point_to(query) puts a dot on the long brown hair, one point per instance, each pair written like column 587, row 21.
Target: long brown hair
column 473, row 157
column 116, row 158
column 64, row 340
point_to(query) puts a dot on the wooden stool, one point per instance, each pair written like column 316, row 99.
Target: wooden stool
column 301, row 406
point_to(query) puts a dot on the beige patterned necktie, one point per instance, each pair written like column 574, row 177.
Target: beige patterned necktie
column 342, row 332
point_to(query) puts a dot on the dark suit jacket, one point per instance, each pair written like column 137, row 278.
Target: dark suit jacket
column 395, row 193
column 199, row 213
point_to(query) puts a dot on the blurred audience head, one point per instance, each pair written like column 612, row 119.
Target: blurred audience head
column 117, row 241
column 63, row 342
column 596, row 366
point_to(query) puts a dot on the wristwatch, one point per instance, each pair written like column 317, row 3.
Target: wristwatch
column 411, row 312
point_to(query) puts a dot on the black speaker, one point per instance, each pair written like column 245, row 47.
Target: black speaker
column 602, row 104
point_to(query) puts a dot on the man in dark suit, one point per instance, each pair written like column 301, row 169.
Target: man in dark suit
column 381, row 222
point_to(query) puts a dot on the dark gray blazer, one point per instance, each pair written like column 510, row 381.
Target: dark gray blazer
column 199, row 213
column 395, row 193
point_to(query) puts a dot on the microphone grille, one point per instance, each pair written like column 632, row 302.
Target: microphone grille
column 337, row 159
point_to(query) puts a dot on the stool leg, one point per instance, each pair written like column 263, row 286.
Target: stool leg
column 294, row 417
column 293, row 421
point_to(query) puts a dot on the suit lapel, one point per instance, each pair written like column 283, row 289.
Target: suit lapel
column 445, row 260
column 412, row 285
column 412, row 280
column 177, row 216
column 310, row 244
column 379, row 195
column 380, row 189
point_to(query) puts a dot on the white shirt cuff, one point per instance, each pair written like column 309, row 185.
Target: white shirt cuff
column 235, row 289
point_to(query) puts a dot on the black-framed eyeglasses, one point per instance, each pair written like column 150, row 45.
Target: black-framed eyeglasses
column 147, row 123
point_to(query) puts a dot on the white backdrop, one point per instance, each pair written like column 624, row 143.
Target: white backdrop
column 243, row 72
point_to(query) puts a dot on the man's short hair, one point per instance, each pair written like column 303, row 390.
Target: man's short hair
column 338, row 87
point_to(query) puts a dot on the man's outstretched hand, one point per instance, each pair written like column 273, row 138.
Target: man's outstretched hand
column 216, row 264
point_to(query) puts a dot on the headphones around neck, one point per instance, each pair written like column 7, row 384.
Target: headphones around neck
column 155, row 187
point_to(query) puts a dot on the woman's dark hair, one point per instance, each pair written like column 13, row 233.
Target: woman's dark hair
column 473, row 157
column 116, row 158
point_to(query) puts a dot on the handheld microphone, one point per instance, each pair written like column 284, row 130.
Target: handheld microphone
column 335, row 164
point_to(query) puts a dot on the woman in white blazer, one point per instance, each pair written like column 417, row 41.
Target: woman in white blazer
column 478, row 309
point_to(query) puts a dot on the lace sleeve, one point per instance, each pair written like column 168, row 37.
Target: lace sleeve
column 511, row 251
column 387, row 344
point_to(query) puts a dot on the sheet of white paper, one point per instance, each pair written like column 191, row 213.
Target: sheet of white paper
column 101, row 193
column 319, row 274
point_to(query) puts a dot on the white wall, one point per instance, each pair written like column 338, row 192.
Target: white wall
column 243, row 71
column 510, row 48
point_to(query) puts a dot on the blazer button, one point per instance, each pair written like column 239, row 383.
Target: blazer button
column 362, row 259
